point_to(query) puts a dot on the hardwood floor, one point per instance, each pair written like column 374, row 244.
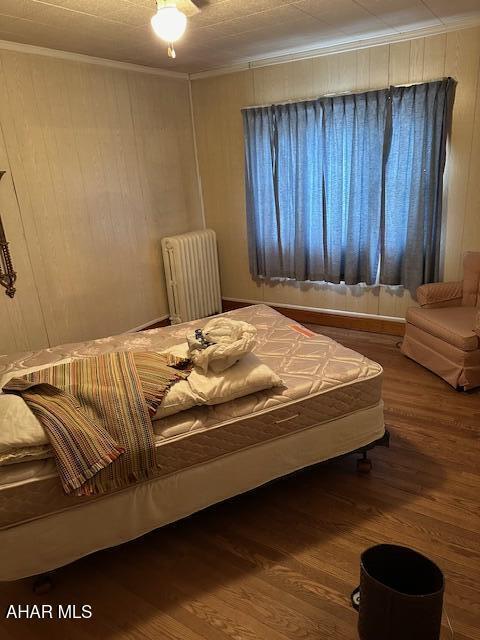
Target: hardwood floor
column 280, row 562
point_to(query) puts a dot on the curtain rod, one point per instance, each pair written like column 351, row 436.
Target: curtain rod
column 342, row 93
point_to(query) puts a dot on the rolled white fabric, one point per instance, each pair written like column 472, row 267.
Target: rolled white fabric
column 220, row 344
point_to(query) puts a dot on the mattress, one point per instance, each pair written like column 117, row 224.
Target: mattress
column 324, row 384
column 43, row 544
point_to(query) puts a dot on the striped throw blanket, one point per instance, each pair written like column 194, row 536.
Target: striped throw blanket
column 97, row 411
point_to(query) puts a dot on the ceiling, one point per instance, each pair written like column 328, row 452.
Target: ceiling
column 225, row 32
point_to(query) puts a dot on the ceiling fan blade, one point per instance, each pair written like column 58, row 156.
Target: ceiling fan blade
column 187, row 7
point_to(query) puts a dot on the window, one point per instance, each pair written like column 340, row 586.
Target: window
column 348, row 188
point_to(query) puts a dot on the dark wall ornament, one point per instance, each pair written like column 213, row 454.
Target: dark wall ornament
column 7, row 274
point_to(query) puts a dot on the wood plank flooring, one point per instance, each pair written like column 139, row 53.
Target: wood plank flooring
column 280, row 562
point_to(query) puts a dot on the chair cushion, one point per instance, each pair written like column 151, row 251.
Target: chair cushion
column 452, row 324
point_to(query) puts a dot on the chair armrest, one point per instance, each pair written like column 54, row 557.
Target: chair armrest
column 440, row 294
column 476, row 328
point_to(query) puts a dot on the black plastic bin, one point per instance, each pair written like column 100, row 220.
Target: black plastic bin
column 401, row 595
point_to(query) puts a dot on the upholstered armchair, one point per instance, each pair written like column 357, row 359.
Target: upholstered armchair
column 443, row 334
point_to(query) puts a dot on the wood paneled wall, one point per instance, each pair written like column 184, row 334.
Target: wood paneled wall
column 217, row 103
column 100, row 165
column 103, row 165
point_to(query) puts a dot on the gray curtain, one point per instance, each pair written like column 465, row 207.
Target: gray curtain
column 337, row 191
column 414, row 183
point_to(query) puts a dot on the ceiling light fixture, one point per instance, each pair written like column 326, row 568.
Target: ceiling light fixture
column 169, row 24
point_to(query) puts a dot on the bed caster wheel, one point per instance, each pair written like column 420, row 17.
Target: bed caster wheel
column 42, row 584
column 364, row 466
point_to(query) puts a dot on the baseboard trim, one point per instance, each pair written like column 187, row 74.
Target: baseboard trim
column 163, row 321
column 328, row 317
column 309, row 315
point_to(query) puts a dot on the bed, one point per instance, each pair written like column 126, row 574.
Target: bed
column 330, row 405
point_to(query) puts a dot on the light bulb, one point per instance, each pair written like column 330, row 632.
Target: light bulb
column 169, row 23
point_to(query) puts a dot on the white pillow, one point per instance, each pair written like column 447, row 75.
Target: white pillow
column 22, row 437
column 18, row 426
column 248, row 375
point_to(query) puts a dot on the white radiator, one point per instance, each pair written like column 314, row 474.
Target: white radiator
column 191, row 272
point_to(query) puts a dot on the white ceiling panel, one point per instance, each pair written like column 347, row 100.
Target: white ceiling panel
column 224, row 32
column 398, row 13
column 448, row 10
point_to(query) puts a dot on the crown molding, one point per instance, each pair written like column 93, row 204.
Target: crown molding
column 19, row 47
column 341, row 47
